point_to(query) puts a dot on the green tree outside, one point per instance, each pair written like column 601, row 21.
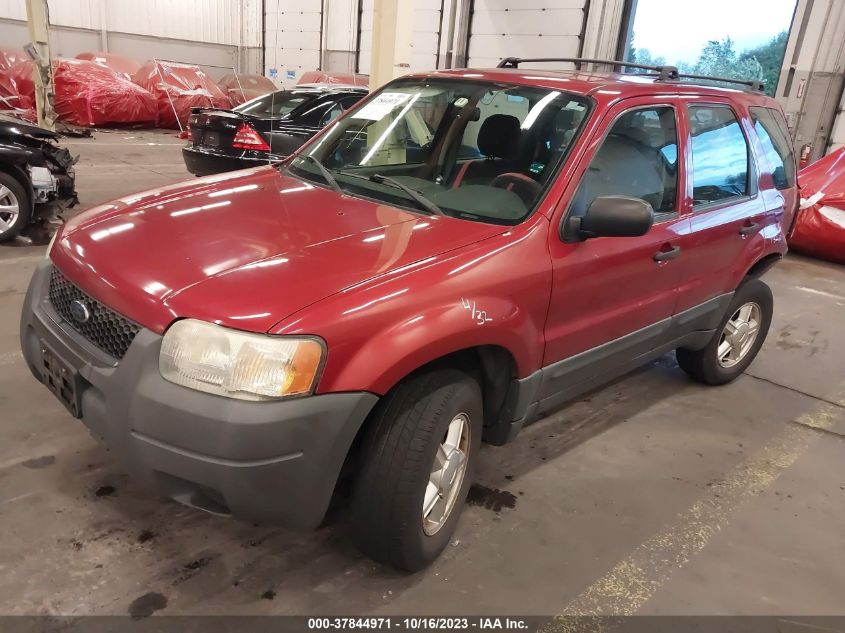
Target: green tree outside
column 719, row 58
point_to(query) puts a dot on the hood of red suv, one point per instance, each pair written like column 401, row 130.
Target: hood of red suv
column 244, row 249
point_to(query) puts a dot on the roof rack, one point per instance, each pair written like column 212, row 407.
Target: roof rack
column 664, row 73
column 753, row 84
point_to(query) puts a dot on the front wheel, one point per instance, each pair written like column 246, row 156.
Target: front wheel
column 417, row 467
column 14, row 207
column 738, row 338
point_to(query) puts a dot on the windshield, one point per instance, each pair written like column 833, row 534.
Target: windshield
column 477, row 150
column 275, row 104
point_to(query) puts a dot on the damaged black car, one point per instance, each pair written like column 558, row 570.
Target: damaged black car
column 36, row 179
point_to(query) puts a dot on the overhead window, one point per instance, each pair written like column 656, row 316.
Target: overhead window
column 719, row 155
column 740, row 40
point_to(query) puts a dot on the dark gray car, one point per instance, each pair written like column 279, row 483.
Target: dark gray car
column 36, row 177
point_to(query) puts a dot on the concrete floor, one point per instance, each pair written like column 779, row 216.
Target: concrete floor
column 653, row 496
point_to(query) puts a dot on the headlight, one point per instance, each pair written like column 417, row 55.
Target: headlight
column 52, row 241
column 217, row 360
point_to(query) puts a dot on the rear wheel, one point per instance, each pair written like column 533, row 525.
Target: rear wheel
column 738, row 338
column 14, row 207
column 417, row 467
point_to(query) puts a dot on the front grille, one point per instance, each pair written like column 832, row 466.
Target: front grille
column 105, row 328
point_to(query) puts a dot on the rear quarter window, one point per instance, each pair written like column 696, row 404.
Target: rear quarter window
column 777, row 147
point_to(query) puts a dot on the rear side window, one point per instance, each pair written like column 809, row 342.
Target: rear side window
column 719, row 155
column 275, row 104
column 772, row 131
column 638, row 158
column 332, row 114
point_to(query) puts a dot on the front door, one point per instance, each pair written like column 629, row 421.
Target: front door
column 610, row 296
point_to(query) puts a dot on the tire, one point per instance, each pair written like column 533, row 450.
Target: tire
column 399, row 452
column 704, row 365
column 12, row 196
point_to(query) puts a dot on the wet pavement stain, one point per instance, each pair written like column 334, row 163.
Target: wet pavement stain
column 146, row 535
column 490, row 498
column 40, row 462
column 199, row 563
column 194, row 567
column 261, row 539
column 146, row 605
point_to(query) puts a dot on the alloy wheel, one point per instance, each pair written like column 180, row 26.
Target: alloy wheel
column 447, row 475
column 9, row 209
column 739, row 334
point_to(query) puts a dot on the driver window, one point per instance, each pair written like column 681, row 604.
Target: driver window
column 638, row 158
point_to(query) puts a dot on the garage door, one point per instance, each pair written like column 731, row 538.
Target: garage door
column 427, row 19
column 524, row 28
column 293, row 37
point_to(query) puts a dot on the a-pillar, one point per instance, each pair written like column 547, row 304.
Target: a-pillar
column 37, row 17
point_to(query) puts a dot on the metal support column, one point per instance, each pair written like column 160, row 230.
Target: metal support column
column 392, row 33
column 38, row 19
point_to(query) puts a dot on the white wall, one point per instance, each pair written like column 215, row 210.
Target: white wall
column 201, row 31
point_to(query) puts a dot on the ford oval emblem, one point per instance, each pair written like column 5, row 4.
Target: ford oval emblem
column 79, row 311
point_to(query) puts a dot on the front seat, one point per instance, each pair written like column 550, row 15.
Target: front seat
column 499, row 142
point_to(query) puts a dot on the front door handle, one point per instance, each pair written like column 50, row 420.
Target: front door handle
column 748, row 228
column 666, row 255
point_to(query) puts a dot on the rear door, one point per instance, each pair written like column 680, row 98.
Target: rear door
column 613, row 297
column 723, row 198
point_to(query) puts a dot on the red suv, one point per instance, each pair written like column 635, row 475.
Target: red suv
column 460, row 252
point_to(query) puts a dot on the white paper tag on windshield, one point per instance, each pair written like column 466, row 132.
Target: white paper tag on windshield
column 381, row 106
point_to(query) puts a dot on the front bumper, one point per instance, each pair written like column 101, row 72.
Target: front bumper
column 274, row 462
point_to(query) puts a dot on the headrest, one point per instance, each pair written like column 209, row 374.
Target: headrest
column 499, row 136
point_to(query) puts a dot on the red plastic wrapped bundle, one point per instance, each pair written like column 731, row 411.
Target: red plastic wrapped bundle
column 820, row 227
column 88, row 94
column 10, row 56
column 17, row 87
column 347, row 79
column 179, row 87
column 126, row 66
column 250, row 87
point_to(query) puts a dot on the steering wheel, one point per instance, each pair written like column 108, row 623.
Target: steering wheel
column 524, row 186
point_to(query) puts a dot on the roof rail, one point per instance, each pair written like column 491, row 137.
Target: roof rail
column 753, row 84
column 665, row 73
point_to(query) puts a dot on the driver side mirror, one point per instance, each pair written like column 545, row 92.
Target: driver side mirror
column 611, row 216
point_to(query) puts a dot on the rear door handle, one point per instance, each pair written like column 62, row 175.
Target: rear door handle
column 749, row 228
column 666, row 255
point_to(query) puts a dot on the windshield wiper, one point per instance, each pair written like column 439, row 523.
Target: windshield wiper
column 331, row 180
column 420, row 199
